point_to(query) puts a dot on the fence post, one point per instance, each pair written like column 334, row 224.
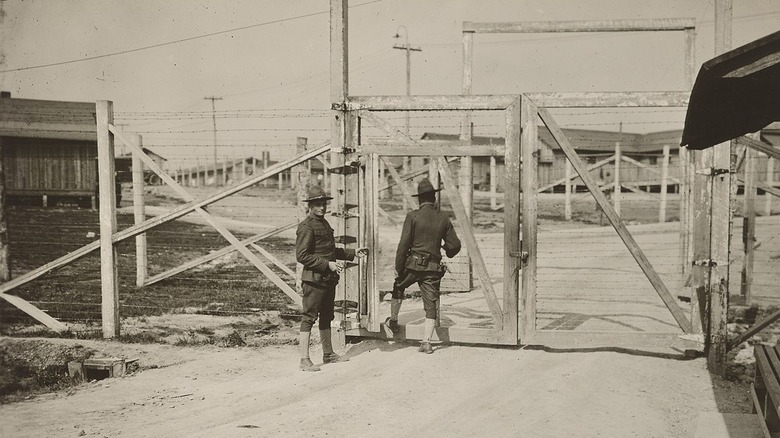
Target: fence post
column 107, row 191
column 616, row 194
column 770, row 181
column 304, row 176
column 664, row 178
column 5, row 271
column 493, row 183
column 139, row 215
column 748, row 224
column 567, row 185
column 265, row 166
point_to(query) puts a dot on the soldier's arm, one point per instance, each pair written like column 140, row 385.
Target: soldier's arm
column 451, row 241
column 407, row 234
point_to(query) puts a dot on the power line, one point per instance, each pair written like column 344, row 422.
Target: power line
column 167, row 43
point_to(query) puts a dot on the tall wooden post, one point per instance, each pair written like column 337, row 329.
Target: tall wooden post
column 616, row 193
column 718, row 284
column 109, row 283
column 222, row 180
column 265, row 166
column 567, row 197
column 493, row 183
column 304, row 176
column 529, row 176
column 139, row 214
column 5, row 268
column 466, row 169
column 748, row 224
column 770, row 183
column 664, row 178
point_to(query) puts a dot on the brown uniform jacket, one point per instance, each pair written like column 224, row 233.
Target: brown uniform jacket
column 315, row 246
column 423, row 232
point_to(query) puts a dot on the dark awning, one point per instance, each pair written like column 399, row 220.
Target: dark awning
column 735, row 93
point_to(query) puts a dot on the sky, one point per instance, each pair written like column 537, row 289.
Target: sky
column 267, row 62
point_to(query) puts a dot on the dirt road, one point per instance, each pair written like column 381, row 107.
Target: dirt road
column 386, row 389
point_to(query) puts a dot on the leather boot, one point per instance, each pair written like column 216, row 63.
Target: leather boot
column 306, row 363
column 328, row 356
column 426, row 348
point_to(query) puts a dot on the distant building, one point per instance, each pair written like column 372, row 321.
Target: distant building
column 50, row 152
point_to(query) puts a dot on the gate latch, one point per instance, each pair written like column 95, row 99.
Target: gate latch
column 706, row 262
column 523, row 255
column 712, row 171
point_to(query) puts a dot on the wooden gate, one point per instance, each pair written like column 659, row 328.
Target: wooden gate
column 488, row 312
column 620, row 310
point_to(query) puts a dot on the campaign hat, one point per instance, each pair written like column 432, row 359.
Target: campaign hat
column 425, row 186
column 316, row 193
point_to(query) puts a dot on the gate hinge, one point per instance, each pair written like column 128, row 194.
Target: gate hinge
column 347, row 169
column 713, row 171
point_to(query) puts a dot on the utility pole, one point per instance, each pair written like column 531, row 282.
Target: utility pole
column 214, row 121
column 409, row 49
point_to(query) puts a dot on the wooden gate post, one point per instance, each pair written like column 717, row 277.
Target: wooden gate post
column 664, row 177
column 748, row 224
column 302, row 171
column 5, row 270
column 770, row 183
column 139, row 214
column 109, row 283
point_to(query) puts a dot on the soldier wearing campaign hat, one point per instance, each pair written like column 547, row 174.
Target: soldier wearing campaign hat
column 315, row 249
column 418, row 258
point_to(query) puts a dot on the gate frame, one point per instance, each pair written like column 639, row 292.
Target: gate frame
column 505, row 319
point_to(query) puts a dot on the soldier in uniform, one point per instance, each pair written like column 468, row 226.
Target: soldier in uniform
column 418, row 258
column 315, row 249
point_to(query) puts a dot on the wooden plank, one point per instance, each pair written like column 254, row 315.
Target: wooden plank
column 759, row 411
column 525, row 117
column 748, row 225
column 770, row 178
column 592, row 167
column 628, row 339
column 617, row 99
column 664, row 179
column 512, row 217
column 758, row 146
column 139, row 215
column 5, row 267
column 754, row 329
column 401, row 184
column 372, row 236
column 38, row 314
column 217, row 254
column 249, row 255
column 468, row 237
column 766, row 363
column 617, row 223
column 109, row 281
column 429, row 103
column 638, row 25
column 648, row 168
column 278, row 263
column 438, row 149
column 409, row 332
column 616, row 196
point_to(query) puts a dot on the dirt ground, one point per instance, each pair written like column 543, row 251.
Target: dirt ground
column 189, row 385
column 386, row 389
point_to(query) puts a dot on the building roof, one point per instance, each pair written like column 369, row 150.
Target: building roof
column 587, row 141
column 47, row 119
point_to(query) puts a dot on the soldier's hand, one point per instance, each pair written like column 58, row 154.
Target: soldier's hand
column 361, row 252
column 335, row 267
